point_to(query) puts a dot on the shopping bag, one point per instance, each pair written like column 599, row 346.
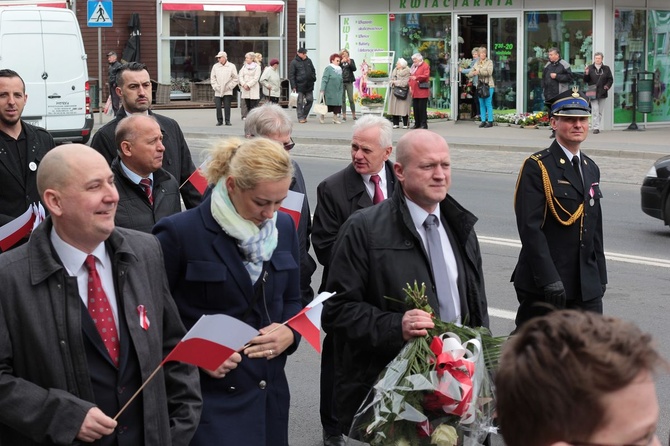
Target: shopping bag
column 293, row 100
column 108, row 109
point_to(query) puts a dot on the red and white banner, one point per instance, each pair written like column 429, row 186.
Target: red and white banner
column 197, row 179
column 12, row 232
column 223, row 5
column 212, row 340
column 308, row 321
column 292, row 205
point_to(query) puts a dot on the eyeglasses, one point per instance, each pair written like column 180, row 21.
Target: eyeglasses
column 289, row 145
column 646, row 441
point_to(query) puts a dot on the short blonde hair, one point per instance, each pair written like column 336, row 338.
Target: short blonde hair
column 248, row 161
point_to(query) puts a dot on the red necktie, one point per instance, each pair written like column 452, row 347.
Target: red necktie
column 101, row 311
column 379, row 195
column 145, row 183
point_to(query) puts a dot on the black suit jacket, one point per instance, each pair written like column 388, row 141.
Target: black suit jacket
column 337, row 197
column 552, row 251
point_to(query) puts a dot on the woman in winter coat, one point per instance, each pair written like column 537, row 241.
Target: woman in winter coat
column 249, row 75
column 599, row 75
column 348, row 67
column 400, row 107
column 271, row 81
column 331, row 88
column 484, row 70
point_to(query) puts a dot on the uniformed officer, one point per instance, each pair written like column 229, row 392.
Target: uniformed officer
column 558, row 214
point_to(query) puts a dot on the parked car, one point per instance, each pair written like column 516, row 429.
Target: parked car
column 655, row 191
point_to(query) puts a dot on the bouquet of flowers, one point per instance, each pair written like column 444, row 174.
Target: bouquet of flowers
column 437, row 390
column 372, row 98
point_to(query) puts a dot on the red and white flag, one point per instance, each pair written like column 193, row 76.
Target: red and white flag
column 197, row 179
column 212, row 340
column 12, row 232
column 308, row 321
column 292, row 205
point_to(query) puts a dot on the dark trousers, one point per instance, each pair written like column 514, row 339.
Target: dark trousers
column 251, row 104
column 327, row 402
column 227, row 101
column 305, row 101
column 533, row 305
column 273, row 99
column 115, row 97
column 396, row 120
column 420, row 106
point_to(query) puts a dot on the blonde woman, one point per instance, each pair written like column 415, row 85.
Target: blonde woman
column 248, row 77
column 237, row 255
column 348, row 78
column 483, row 69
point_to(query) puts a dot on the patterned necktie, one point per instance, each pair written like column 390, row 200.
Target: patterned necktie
column 440, row 273
column 101, row 311
column 379, row 195
column 145, row 183
column 575, row 165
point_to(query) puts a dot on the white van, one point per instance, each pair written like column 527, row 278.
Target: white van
column 45, row 47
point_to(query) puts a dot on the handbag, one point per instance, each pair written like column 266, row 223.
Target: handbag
column 483, row 90
column 591, row 91
column 424, row 85
column 400, row 92
column 321, row 108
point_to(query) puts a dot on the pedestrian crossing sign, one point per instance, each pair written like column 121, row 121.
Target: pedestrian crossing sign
column 100, row 14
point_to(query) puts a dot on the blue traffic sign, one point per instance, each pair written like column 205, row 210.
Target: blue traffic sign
column 100, row 14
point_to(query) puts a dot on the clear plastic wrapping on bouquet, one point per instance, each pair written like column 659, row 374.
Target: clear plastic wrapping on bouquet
column 436, row 391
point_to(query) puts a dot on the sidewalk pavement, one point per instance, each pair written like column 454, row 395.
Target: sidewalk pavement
column 650, row 143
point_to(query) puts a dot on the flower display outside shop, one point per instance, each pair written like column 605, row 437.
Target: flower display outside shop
column 378, row 74
column 372, row 98
column 436, row 391
column 539, row 119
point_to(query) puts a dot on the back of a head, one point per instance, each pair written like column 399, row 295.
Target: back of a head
column 555, row 371
column 268, row 119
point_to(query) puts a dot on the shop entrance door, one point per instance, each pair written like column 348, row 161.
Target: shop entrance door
column 500, row 34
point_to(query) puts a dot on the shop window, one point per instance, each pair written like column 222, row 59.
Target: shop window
column 193, row 23
column 629, row 44
column 658, row 62
column 251, row 24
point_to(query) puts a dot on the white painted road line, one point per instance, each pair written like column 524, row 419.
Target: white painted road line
column 502, row 314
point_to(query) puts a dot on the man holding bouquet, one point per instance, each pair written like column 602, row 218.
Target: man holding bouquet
column 420, row 233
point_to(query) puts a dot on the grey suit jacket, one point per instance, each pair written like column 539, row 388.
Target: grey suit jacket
column 44, row 378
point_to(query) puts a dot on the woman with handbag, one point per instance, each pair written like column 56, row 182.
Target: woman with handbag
column 599, row 79
column 271, row 81
column 348, row 67
column 485, row 87
column 419, row 86
column 400, row 98
column 331, row 89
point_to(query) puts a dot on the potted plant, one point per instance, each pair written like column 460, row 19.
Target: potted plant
column 378, row 75
column 372, row 100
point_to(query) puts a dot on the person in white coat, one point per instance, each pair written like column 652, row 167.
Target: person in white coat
column 249, row 75
column 224, row 80
column 271, row 81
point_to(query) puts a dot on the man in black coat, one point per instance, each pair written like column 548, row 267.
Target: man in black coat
column 134, row 87
column 562, row 259
column 114, row 66
column 302, row 75
column 147, row 192
column 22, row 147
column 556, row 77
column 382, row 248
column 339, row 196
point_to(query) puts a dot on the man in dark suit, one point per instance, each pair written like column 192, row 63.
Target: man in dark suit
column 382, row 248
column 147, row 192
column 339, row 196
column 133, row 85
column 272, row 122
column 65, row 370
column 562, row 260
column 22, row 147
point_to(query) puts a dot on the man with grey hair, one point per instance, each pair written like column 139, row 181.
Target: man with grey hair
column 419, row 234
column 368, row 180
column 272, row 122
column 147, row 192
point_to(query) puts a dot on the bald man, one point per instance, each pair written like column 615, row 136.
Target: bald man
column 63, row 372
column 380, row 249
column 147, row 192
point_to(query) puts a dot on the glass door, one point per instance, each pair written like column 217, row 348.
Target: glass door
column 469, row 31
column 504, row 49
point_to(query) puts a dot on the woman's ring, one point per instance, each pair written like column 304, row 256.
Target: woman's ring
column 271, row 353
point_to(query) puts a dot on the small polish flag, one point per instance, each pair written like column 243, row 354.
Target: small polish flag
column 308, row 321
column 144, row 320
column 292, row 205
column 12, row 232
column 212, row 340
column 197, row 179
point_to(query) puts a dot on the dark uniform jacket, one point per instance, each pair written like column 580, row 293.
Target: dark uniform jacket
column 134, row 210
column 550, row 250
column 552, row 87
column 302, row 75
column 18, row 189
column 176, row 159
column 250, row 405
column 52, row 371
column 337, row 197
column 376, row 254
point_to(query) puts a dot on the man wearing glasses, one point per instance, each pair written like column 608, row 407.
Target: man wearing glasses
column 271, row 121
column 575, row 378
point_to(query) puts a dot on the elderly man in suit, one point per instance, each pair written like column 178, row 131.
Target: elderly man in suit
column 420, row 233
column 147, row 192
column 134, row 88
column 368, row 180
column 65, row 367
